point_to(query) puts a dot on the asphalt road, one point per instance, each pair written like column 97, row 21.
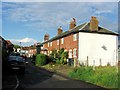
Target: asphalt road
column 37, row 78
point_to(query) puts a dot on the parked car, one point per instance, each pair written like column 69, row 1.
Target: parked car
column 16, row 63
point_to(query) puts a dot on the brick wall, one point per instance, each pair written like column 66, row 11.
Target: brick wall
column 68, row 44
column 31, row 52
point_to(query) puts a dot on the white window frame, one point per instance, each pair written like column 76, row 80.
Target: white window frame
column 74, row 37
column 70, row 53
column 57, row 42
column 50, row 52
column 62, row 40
column 45, row 52
column 74, row 52
column 48, row 44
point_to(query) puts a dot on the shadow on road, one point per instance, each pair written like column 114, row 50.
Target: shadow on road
column 33, row 75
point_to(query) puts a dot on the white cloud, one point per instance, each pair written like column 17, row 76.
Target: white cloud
column 103, row 12
column 25, row 41
column 46, row 17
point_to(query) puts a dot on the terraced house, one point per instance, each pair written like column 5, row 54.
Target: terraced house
column 87, row 43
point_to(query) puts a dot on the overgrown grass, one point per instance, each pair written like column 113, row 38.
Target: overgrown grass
column 103, row 76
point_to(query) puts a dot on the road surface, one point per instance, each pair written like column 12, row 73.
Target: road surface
column 40, row 78
column 36, row 78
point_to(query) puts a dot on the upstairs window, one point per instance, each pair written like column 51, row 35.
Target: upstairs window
column 50, row 43
column 62, row 41
column 57, row 42
column 74, row 37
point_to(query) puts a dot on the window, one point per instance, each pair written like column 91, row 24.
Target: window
column 75, row 52
column 48, row 44
column 57, row 42
column 74, row 37
column 42, row 47
column 62, row 40
column 70, row 53
column 45, row 52
column 50, row 52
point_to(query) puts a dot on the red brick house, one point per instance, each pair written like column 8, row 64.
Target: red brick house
column 31, row 51
column 86, row 43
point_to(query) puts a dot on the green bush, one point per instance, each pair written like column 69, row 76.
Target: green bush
column 57, row 61
column 59, row 57
column 41, row 59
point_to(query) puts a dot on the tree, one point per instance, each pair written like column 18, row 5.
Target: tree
column 16, row 46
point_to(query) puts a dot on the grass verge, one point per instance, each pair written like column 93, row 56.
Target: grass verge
column 103, row 76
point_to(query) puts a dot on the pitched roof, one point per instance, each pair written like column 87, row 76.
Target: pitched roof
column 82, row 28
column 66, row 33
column 25, row 48
column 9, row 42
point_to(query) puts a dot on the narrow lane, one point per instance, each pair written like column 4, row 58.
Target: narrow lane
column 39, row 78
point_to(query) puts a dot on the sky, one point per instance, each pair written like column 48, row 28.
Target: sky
column 28, row 22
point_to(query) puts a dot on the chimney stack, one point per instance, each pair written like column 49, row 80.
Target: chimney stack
column 46, row 37
column 59, row 30
column 72, row 23
column 94, row 24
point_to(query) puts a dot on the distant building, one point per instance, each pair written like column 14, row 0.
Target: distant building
column 24, row 50
column 18, row 50
column 32, row 51
column 88, row 43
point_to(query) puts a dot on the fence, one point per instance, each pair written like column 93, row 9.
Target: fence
column 119, row 63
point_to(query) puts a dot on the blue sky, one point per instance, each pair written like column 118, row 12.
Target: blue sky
column 28, row 22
